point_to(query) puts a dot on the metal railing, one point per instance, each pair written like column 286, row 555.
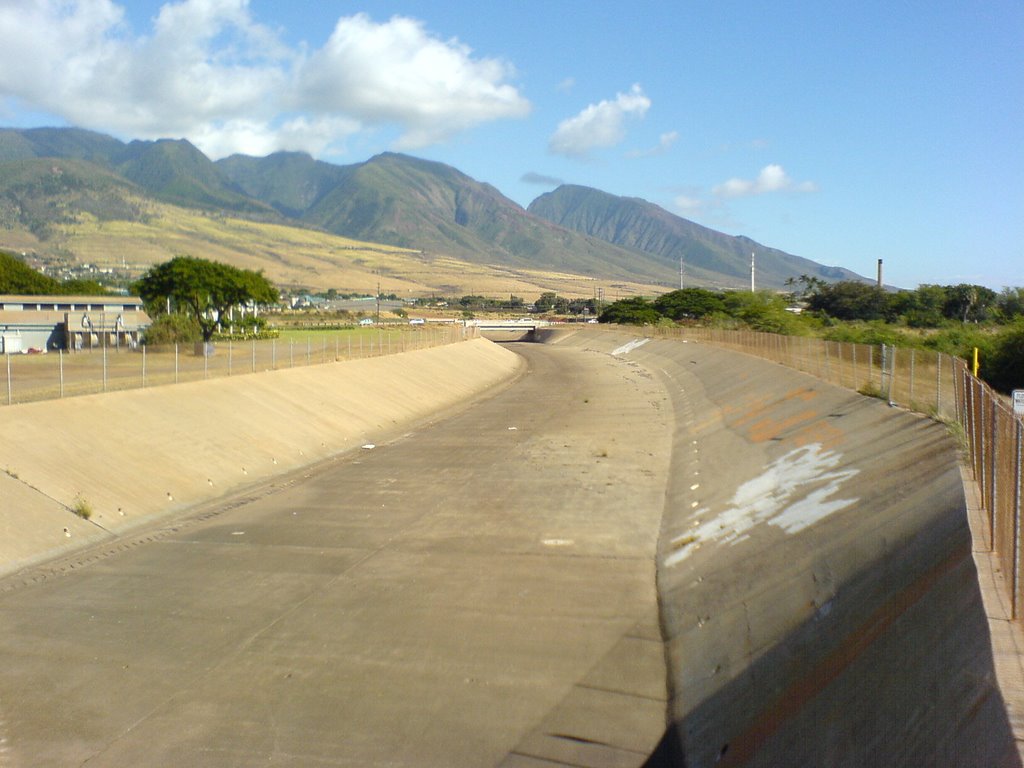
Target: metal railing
column 26, row 378
column 924, row 381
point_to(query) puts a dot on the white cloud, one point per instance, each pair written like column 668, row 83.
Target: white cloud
column 772, row 178
column 396, row 73
column 686, row 205
column 665, row 142
column 209, row 72
column 599, row 125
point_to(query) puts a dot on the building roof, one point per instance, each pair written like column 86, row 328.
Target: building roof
column 9, row 298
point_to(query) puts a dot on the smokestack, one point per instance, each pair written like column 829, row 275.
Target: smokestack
column 879, row 273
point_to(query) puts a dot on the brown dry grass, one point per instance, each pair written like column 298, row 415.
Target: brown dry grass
column 298, row 259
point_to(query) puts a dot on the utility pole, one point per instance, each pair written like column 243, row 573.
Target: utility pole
column 752, row 288
column 377, row 322
column 680, row 272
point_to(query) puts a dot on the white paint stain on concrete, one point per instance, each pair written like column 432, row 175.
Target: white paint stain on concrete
column 793, row 493
column 629, row 346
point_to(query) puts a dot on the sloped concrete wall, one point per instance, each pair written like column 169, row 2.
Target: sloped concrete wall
column 819, row 601
column 139, row 455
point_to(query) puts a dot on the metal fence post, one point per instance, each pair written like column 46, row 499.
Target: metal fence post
column 910, row 397
column 892, row 371
column 1014, row 603
column 993, row 458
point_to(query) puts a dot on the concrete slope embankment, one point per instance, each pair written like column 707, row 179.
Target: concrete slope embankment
column 138, row 455
column 819, row 600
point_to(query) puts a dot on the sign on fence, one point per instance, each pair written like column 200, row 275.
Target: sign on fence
column 1018, row 402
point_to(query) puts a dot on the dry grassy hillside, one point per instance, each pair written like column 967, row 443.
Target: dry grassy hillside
column 291, row 257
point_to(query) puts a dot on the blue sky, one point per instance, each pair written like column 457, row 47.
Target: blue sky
column 841, row 132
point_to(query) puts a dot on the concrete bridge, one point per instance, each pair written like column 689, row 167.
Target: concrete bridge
column 521, row 329
column 600, row 550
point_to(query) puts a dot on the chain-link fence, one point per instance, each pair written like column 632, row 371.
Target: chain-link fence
column 27, row 378
column 939, row 385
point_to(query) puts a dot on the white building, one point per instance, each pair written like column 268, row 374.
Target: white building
column 46, row 323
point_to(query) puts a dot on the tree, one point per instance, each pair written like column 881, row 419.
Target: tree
column 804, row 287
column 1005, row 371
column 850, row 300
column 968, row 302
column 19, row 278
column 546, row 301
column 921, row 308
column 1010, row 303
column 689, row 303
column 632, row 311
column 761, row 311
column 206, row 289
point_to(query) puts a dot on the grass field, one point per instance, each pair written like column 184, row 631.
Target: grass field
column 294, row 258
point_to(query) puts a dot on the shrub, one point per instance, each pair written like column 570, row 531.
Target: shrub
column 82, row 508
column 174, row 328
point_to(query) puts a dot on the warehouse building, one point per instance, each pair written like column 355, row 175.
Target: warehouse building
column 72, row 323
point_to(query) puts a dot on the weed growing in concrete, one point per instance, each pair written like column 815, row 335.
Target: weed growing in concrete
column 82, row 508
column 870, row 389
column 956, row 430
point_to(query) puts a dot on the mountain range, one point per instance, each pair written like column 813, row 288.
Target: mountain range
column 391, row 199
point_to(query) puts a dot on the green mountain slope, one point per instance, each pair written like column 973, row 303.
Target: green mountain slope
column 177, row 172
column 706, row 255
column 39, row 194
column 51, row 174
column 413, row 203
column 290, row 182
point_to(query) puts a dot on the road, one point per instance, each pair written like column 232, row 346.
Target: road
column 480, row 591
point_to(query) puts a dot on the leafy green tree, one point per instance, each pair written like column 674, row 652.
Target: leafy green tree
column 761, row 311
column 580, row 306
column 804, row 287
column 689, row 303
column 850, row 300
column 1010, row 303
column 922, row 308
column 632, row 311
column 173, row 328
column 1004, row 367
column 546, row 301
column 966, row 302
column 207, row 290
column 18, row 277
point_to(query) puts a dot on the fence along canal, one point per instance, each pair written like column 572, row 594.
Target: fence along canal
column 31, row 377
column 939, row 385
column 936, row 384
